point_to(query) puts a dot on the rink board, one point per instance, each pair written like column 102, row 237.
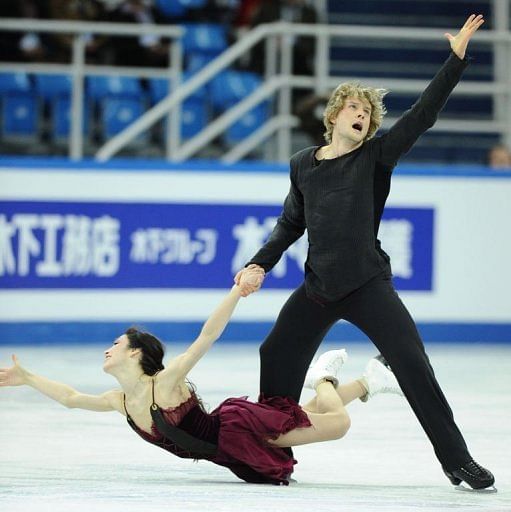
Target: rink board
column 141, row 242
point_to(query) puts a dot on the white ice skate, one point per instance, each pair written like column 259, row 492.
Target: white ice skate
column 379, row 379
column 327, row 367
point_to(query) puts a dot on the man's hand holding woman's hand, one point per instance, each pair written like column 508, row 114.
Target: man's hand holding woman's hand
column 249, row 279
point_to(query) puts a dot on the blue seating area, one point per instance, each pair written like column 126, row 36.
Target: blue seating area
column 100, row 87
column 177, row 8
column 230, row 87
column 117, row 101
column 38, row 106
column 204, row 38
column 49, row 87
column 60, row 119
column 202, row 42
column 28, row 103
column 54, row 91
column 194, row 111
column 247, row 124
column 19, row 107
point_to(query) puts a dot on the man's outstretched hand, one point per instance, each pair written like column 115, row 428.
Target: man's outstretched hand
column 459, row 42
column 249, row 279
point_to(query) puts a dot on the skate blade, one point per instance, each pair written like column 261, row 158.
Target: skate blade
column 487, row 490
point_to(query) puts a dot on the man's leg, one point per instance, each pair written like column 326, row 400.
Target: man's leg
column 377, row 310
column 291, row 344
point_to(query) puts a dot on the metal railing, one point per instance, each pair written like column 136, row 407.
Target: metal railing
column 279, row 82
column 78, row 69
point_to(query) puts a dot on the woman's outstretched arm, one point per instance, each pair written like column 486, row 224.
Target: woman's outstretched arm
column 212, row 328
column 16, row 375
column 211, row 331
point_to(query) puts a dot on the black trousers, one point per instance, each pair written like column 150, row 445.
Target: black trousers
column 376, row 309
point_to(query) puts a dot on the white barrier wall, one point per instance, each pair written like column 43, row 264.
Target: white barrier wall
column 449, row 238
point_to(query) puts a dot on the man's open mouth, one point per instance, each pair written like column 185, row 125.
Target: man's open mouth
column 357, row 126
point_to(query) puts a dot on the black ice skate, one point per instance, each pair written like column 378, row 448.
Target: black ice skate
column 477, row 477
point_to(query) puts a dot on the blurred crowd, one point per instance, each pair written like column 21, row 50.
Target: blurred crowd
column 234, row 17
column 499, row 157
column 212, row 25
column 148, row 50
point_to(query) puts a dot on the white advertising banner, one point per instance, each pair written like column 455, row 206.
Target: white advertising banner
column 94, row 244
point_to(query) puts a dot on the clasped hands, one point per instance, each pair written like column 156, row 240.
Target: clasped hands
column 249, row 279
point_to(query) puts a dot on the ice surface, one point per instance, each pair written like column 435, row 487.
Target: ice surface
column 54, row 459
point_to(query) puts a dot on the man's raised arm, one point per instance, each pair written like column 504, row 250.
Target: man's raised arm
column 413, row 123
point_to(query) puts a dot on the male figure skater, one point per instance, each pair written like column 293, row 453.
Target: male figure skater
column 337, row 193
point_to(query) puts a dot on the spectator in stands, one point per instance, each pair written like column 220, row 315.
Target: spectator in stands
column 145, row 50
column 499, row 157
column 295, row 11
column 309, row 111
column 246, row 12
column 215, row 11
column 48, row 47
column 111, row 5
column 84, row 10
column 22, row 46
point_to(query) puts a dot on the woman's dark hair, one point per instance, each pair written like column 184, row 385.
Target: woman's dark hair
column 152, row 349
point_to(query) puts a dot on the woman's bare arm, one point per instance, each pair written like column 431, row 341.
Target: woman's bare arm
column 16, row 375
column 179, row 367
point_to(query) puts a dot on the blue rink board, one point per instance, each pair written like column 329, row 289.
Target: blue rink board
column 35, row 333
column 104, row 332
column 136, row 165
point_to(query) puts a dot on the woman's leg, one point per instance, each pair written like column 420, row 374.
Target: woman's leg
column 329, row 420
column 352, row 391
column 347, row 393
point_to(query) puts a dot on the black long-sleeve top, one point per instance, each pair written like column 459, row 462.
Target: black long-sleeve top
column 340, row 201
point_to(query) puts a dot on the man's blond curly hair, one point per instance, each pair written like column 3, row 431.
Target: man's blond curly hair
column 353, row 89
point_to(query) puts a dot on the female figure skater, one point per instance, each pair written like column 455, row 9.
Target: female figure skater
column 248, row 438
